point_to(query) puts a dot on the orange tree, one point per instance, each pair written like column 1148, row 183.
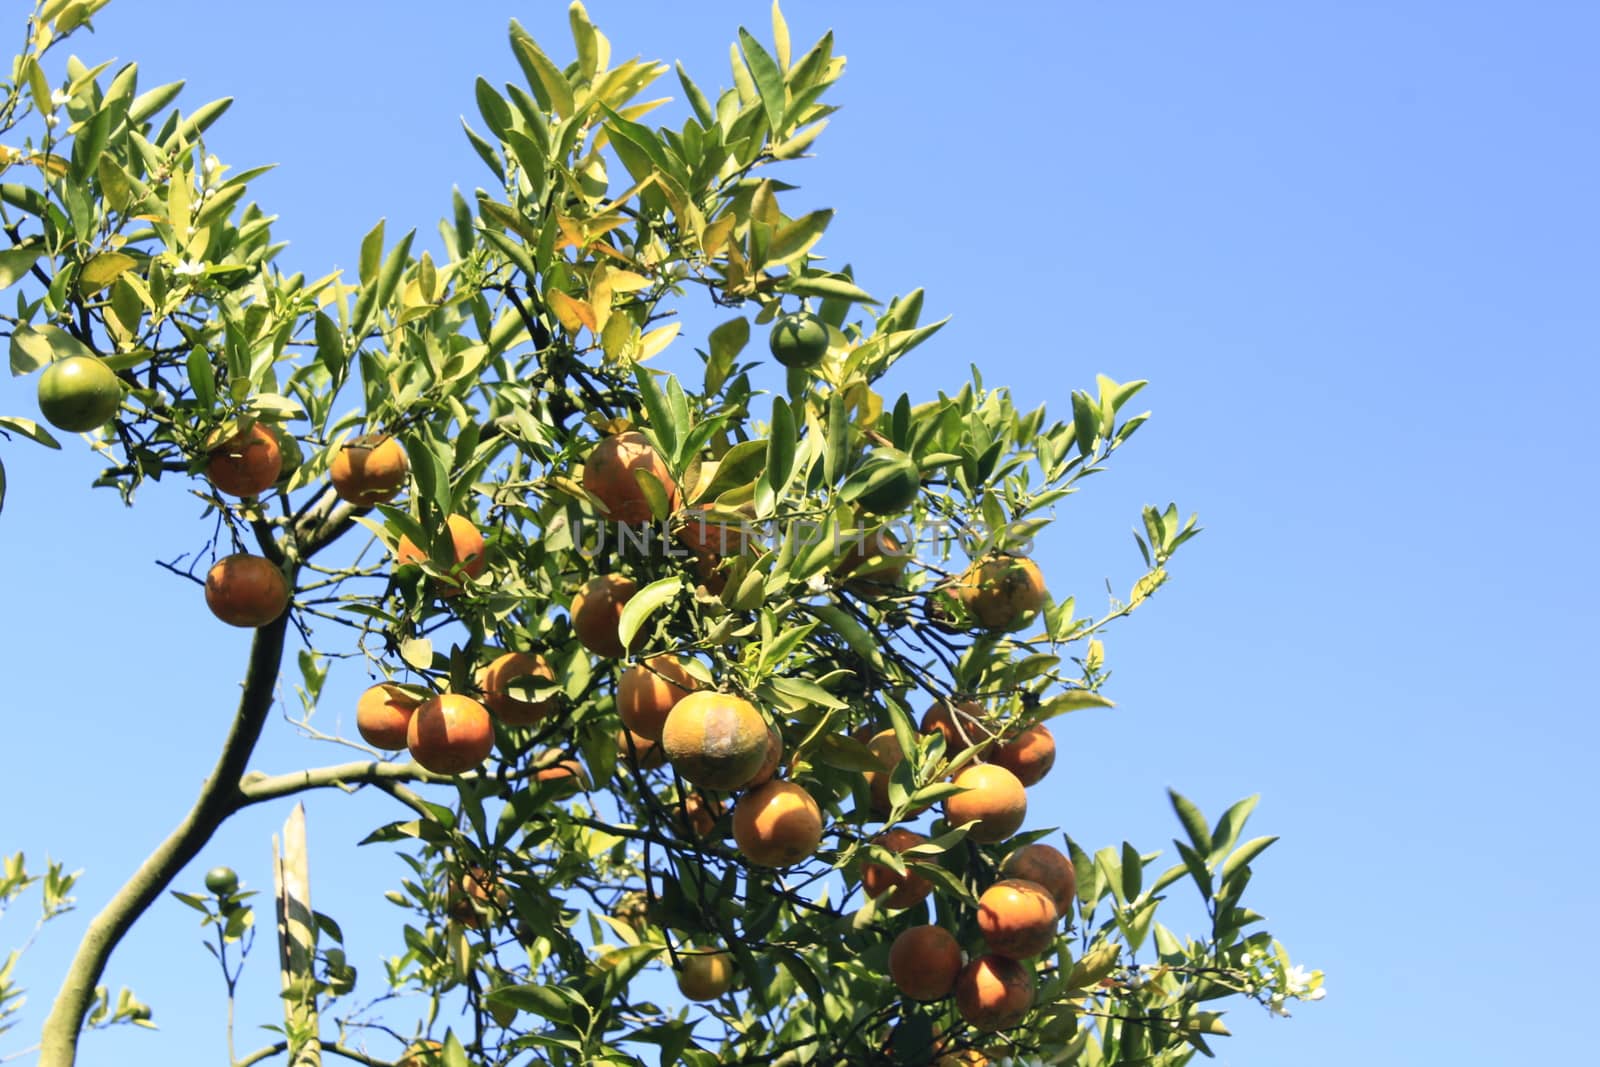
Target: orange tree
column 747, row 687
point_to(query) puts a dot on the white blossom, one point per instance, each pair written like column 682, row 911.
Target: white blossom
column 189, row 269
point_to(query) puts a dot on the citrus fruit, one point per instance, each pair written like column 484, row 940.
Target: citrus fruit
column 777, row 824
column 994, row 992
column 1046, row 866
column 892, row 481
column 924, row 962
column 993, row 797
column 467, row 549
column 1017, row 918
column 1029, row 755
column 877, row 879
column 246, row 464
column 450, row 733
column 78, row 394
column 596, row 610
column 501, row 676
column 612, row 472
column 246, row 590
column 369, row 470
column 798, row 339
column 383, row 716
column 647, row 692
column 715, row 740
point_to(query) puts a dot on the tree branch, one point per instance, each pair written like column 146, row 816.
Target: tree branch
column 219, row 797
column 257, row 787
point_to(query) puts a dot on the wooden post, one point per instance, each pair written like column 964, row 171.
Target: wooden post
column 297, row 939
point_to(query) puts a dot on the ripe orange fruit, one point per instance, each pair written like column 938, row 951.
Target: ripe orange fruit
column 711, row 542
column 450, row 733
column 777, row 824
column 647, row 691
column 873, row 563
column 705, row 975
column 467, row 547
column 597, row 609
column 798, row 339
column 383, row 715
column 994, row 992
column 877, row 879
column 994, row 797
column 698, row 816
column 715, row 740
column 1029, row 755
column 1002, row 592
column 246, row 464
column 971, row 732
column 650, row 753
column 611, row 473
column 474, row 891
column 566, row 777
column 1017, row 918
column 246, row 590
column 1048, row 867
column 369, row 470
column 924, row 962
column 498, row 679
column 769, row 763
column 79, row 394
column 886, row 747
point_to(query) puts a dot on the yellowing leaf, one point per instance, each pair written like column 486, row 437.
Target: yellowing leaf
column 716, row 236
column 654, row 341
column 627, row 281
column 573, row 314
column 103, row 269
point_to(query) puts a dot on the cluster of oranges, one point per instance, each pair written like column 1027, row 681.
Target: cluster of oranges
column 716, row 742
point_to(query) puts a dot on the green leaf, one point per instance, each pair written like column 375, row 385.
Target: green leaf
column 727, row 341
column 825, row 286
column 1072, row 700
column 781, row 446
column 696, row 98
column 371, row 254
column 645, row 603
column 768, row 78
column 1228, row 827
column 1194, row 824
column 15, row 262
column 1085, row 422
column 29, row 429
column 1245, row 853
column 655, row 405
column 837, row 455
column 554, row 84
column 34, row 346
column 845, row 753
column 798, row 236
column 1132, row 871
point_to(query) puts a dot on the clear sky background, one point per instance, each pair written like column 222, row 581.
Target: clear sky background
column 1353, row 246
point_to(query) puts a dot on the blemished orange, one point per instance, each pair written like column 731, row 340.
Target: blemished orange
column 467, row 547
column 497, row 680
column 889, row 888
column 597, row 609
column 612, row 471
column 1029, row 755
column 246, row 464
column 777, row 825
column 648, row 691
column 715, row 740
column 1002, row 592
column 369, row 470
column 450, row 733
column 1046, row 866
column 924, row 962
column 1017, row 918
column 993, row 797
column 245, row 590
column 942, row 718
column 383, row 715
column 705, row 975
column 994, row 992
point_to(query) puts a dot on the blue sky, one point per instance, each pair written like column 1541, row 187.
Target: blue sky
column 1352, row 245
